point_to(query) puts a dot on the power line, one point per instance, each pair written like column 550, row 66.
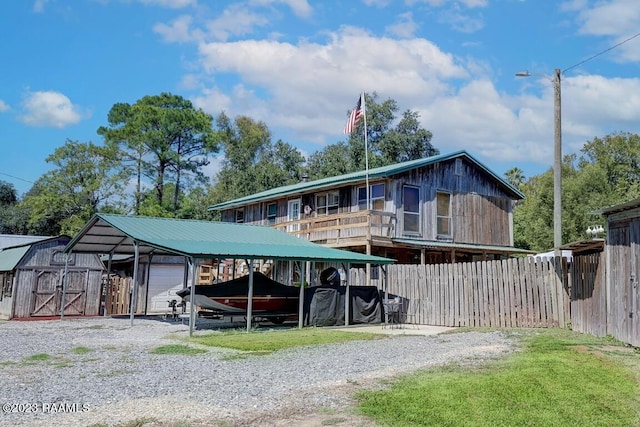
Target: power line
column 16, row 177
column 601, row 53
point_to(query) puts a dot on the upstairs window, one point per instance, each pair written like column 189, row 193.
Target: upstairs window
column 327, row 203
column 272, row 212
column 411, row 199
column 443, row 214
column 239, row 215
column 377, row 197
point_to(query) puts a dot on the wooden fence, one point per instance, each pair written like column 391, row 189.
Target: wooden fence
column 518, row 292
column 588, row 294
column 118, row 293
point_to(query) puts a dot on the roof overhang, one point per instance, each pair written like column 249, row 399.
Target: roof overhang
column 585, row 246
column 467, row 247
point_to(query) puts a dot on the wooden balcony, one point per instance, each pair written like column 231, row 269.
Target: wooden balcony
column 345, row 229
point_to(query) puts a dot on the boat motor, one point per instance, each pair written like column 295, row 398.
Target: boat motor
column 330, row 277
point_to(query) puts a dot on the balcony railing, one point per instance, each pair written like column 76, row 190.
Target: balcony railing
column 344, row 228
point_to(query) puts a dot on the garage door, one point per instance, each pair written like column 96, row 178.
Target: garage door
column 164, row 282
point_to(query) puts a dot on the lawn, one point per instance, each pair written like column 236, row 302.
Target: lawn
column 274, row 340
column 559, row 378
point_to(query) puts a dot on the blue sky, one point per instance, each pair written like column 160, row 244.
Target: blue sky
column 299, row 66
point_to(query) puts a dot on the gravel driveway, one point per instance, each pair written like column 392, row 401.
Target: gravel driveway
column 100, row 371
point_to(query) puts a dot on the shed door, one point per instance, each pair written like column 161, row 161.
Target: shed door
column 75, row 298
column 46, row 294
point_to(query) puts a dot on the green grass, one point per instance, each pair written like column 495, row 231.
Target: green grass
column 274, row 340
column 177, row 349
column 81, row 350
column 558, row 379
column 39, row 357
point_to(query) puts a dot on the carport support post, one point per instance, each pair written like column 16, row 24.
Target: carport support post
column 134, row 294
column 64, row 284
column 301, row 298
column 250, row 294
column 108, row 288
column 192, row 311
column 347, row 299
column 146, row 282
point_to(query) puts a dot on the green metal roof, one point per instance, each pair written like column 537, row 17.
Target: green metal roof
column 106, row 233
column 9, row 258
column 380, row 172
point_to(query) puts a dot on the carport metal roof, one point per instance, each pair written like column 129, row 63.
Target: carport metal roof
column 116, row 234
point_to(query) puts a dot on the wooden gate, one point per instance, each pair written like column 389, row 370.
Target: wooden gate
column 47, row 293
column 118, row 295
column 75, row 295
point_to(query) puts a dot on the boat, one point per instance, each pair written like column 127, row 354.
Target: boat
column 270, row 298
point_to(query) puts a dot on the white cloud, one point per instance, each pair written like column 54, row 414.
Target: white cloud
column 177, row 31
column 297, row 81
column 377, row 3
column 3, row 106
column 300, row 8
column 49, row 109
column 38, row 5
column 172, row 4
column 455, row 3
column 404, row 26
column 617, row 19
column 236, row 20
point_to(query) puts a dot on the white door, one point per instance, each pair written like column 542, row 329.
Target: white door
column 164, row 282
column 293, row 214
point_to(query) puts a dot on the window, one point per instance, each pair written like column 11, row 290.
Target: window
column 6, row 285
column 293, row 214
column 443, row 214
column 457, row 170
column 411, row 197
column 272, row 212
column 327, row 203
column 377, row 197
column 239, row 215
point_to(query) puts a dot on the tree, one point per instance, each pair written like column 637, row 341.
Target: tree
column 166, row 138
column 607, row 173
column 408, row 141
column 334, row 159
column 86, row 179
column 12, row 218
column 385, row 144
column 619, row 156
column 252, row 162
column 515, row 176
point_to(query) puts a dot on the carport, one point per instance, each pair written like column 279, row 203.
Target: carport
column 109, row 234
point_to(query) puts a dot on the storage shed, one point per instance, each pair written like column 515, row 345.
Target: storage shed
column 32, row 275
column 623, row 271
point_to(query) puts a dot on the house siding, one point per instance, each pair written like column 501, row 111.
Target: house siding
column 481, row 210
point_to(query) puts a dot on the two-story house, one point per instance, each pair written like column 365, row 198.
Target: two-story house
column 440, row 209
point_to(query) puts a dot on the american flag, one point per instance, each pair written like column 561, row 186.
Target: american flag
column 354, row 117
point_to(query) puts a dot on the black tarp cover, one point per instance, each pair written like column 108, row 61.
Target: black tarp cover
column 324, row 305
column 262, row 285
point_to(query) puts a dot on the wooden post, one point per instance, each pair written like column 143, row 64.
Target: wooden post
column 250, row 294
column 301, row 297
column 134, row 293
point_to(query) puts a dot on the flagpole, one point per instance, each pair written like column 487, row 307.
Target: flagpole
column 366, row 152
